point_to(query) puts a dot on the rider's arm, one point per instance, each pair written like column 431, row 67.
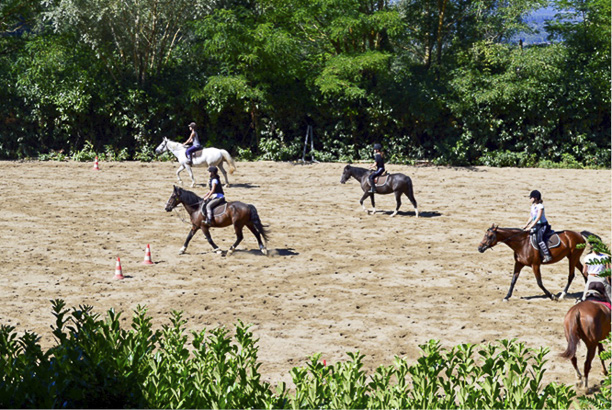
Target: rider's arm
column 536, row 219
column 190, row 139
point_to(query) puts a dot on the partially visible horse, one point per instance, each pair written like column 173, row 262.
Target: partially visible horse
column 237, row 213
column 397, row 184
column 525, row 255
column 588, row 321
column 205, row 157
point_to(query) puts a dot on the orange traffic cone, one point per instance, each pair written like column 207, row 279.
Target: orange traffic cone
column 118, row 271
column 147, row 259
column 96, row 167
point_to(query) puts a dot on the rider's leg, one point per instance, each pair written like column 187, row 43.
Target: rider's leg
column 209, row 209
column 542, row 244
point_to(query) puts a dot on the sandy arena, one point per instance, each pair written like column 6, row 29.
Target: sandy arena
column 336, row 279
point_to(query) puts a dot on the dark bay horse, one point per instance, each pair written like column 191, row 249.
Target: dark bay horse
column 588, row 321
column 396, row 183
column 237, row 213
column 526, row 255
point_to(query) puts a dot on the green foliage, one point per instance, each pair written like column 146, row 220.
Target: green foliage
column 113, row 154
column 53, row 156
column 86, row 154
column 98, row 363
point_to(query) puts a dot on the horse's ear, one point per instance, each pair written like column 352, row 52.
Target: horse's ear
column 496, row 226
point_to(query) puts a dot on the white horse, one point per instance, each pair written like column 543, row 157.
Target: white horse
column 204, row 157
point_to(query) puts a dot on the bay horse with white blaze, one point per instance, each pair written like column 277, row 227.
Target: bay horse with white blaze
column 588, row 321
column 397, row 184
column 202, row 158
column 525, row 255
column 236, row 213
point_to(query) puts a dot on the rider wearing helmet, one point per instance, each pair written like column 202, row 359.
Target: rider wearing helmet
column 378, row 166
column 537, row 224
column 215, row 195
column 194, row 140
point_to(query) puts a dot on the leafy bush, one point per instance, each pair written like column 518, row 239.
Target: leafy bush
column 508, row 159
column 97, row 363
column 86, row 154
column 113, row 154
column 53, row 156
column 146, row 153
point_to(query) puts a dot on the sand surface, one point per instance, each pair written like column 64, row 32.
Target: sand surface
column 336, row 279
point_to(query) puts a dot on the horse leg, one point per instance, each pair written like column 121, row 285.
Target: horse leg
column 178, row 173
column 373, row 203
column 188, row 168
column 517, row 271
column 239, row 237
column 538, row 276
column 575, row 364
column 209, row 239
column 410, row 196
column 600, row 349
column 220, row 166
column 262, row 247
column 398, row 201
column 189, row 236
column 574, row 259
column 365, row 195
column 587, row 364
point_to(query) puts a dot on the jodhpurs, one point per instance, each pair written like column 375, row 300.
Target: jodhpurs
column 191, row 150
column 375, row 174
column 210, row 205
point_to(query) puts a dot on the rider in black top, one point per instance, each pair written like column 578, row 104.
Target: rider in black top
column 378, row 166
column 216, row 195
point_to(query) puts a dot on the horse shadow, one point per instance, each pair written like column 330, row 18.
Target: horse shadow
column 568, row 296
column 426, row 214
column 271, row 252
column 244, row 185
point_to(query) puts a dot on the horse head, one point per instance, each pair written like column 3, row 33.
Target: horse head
column 162, row 147
column 346, row 174
column 174, row 199
column 489, row 240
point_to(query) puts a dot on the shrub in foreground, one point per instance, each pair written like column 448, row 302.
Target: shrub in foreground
column 96, row 363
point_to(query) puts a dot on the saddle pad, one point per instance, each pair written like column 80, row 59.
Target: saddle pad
column 603, row 303
column 552, row 242
column 220, row 210
column 217, row 211
column 381, row 180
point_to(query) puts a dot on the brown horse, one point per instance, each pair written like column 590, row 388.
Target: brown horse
column 588, row 321
column 237, row 213
column 398, row 184
column 525, row 255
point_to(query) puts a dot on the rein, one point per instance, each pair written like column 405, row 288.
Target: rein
column 505, row 240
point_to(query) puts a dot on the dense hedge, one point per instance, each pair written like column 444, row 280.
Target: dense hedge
column 95, row 363
column 432, row 80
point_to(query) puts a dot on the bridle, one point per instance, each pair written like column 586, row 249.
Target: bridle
column 487, row 246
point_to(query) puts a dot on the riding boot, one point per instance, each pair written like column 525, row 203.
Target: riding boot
column 373, row 189
column 545, row 252
column 208, row 220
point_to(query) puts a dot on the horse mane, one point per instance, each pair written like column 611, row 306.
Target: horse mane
column 189, row 197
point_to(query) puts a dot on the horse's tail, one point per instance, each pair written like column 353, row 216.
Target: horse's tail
column 586, row 235
column 228, row 158
column 571, row 325
column 257, row 222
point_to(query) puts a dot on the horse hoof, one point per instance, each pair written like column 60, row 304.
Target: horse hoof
column 218, row 250
column 264, row 251
column 504, row 299
column 393, row 214
column 182, row 250
column 230, row 251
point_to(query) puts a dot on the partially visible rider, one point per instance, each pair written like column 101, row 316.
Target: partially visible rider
column 378, row 166
column 597, row 287
column 215, row 195
column 538, row 225
column 194, row 140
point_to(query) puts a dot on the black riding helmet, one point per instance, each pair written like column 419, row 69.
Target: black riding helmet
column 213, row 169
column 377, row 147
column 536, row 194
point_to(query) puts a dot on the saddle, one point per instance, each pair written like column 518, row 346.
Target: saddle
column 597, row 293
column 552, row 241
column 217, row 210
column 381, row 179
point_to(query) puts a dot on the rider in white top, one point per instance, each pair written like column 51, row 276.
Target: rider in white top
column 594, row 264
column 538, row 225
